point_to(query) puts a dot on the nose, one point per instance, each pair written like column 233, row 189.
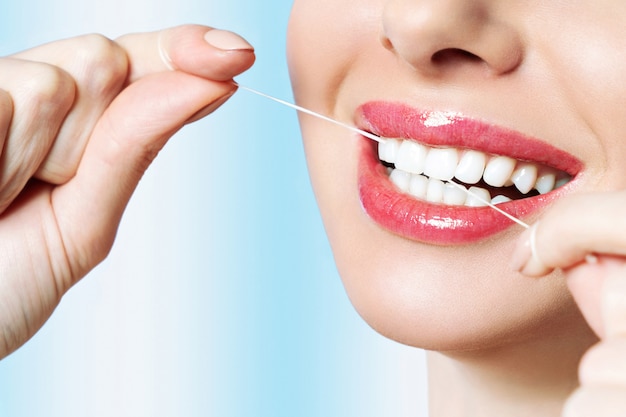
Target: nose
column 435, row 36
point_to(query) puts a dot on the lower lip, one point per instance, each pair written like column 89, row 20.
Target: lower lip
column 427, row 222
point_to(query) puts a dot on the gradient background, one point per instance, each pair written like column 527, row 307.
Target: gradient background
column 220, row 297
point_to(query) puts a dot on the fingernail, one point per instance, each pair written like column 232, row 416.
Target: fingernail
column 525, row 260
column 211, row 107
column 522, row 252
column 227, row 41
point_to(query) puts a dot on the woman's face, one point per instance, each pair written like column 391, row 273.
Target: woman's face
column 538, row 82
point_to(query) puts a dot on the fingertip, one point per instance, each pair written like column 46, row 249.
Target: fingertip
column 526, row 259
column 206, row 52
column 227, row 41
column 194, row 49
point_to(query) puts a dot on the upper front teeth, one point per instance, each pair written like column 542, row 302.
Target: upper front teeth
column 498, row 170
column 412, row 159
column 470, row 169
column 441, row 163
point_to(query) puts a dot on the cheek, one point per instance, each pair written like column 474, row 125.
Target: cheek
column 325, row 39
column 587, row 68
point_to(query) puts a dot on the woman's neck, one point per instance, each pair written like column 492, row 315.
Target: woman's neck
column 526, row 379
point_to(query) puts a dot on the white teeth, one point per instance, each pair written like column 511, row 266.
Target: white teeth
column 545, row 181
column 454, row 196
column 500, row 199
column 418, row 186
column 441, row 163
column 388, row 150
column 434, row 193
column 411, row 157
column 474, row 201
column 400, row 179
column 524, row 177
column 471, row 167
column 499, row 170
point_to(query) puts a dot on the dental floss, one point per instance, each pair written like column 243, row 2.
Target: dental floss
column 493, row 206
column 312, row 113
column 377, row 139
column 589, row 258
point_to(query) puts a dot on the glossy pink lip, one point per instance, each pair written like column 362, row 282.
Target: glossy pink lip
column 437, row 223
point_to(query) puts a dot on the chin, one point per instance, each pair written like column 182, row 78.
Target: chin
column 433, row 299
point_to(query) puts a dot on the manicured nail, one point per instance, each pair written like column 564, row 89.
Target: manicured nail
column 525, row 260
column 522, row 252
column 227, row 41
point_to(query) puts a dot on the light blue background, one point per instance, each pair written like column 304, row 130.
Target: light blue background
column 220, row 296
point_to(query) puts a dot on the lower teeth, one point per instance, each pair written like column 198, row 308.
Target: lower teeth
column 441, row 192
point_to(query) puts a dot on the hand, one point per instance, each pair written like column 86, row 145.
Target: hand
column 565, row 237
column 80, row 121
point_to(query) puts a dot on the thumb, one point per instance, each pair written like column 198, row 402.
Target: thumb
column 199, row 50
column 127, row 138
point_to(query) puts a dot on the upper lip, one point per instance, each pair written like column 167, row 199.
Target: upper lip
column 449, row 129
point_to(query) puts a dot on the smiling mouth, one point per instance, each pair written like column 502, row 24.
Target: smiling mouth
column 405, row 188
column 424, row 172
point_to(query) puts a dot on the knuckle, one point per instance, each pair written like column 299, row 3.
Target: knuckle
column 103, row 65
column 50, row 89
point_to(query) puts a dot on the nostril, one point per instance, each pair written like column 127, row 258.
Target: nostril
column 454, row 55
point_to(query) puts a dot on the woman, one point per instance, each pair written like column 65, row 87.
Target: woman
column 507, row 344
column 517, row 80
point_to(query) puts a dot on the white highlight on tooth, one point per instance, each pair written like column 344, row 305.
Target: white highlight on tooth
column 434, row 193
column 471, row 167
column 411, row 157
column 453, row 195
column 524, row 177
column 388, row 150
column 441, row 163
column 473, row 201
column 499, row 170
column 500, row 199
column 400, row 179
column 546, row 181
column 418, row 186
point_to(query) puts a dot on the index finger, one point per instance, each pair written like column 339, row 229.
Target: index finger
column 572, row 229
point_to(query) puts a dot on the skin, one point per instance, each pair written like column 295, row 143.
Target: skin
column 501, row 343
